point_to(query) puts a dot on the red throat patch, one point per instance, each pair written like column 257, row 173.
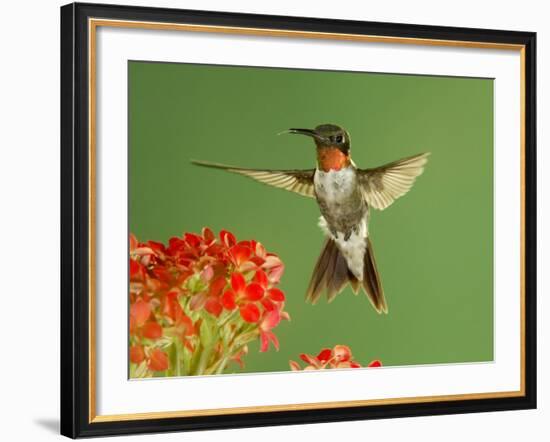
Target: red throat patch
column 331, row 158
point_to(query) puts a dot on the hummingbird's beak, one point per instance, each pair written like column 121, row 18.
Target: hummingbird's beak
column 308, row 132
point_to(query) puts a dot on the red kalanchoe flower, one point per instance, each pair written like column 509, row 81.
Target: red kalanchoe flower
column 324, row 355
column 158, row 360
column 201, row 293
column 152, row 330
column 140, row 312
column 245, row 295
column 227, row 238
column 239, row 254
column 250, row 312
column 270, row 320
column 342, row 353
column 140, row 320
column 338, row 357
column 137, row 355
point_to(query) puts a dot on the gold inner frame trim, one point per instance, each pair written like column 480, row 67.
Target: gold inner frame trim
column 93, row 24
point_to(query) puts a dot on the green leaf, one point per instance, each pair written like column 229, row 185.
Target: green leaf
column 206, row 334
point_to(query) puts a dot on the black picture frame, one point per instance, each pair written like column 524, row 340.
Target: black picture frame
column 75, row 221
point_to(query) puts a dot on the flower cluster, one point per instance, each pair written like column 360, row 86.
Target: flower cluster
column 338, row 357
column 196, row 303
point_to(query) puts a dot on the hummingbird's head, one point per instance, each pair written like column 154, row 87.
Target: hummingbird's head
column 333, row 145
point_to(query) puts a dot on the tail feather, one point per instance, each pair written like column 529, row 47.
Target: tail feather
column 331, row 274
column 371, row 281
column 354, row 282
column 317, row 283
column 339, row 277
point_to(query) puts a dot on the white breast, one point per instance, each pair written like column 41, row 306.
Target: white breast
column 332, row 188
column 334, row 185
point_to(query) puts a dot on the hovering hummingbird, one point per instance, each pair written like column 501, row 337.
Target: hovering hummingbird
column 344, row 194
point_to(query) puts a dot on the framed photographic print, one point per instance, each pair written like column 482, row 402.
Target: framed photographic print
column 278, row 220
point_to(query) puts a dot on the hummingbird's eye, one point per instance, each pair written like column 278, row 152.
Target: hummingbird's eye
column 339, row 138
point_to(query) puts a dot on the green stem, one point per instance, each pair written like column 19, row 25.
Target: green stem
column 197, row 354
column 228, row 318
column 203, row 360
column 187, row 357
column 178, row 358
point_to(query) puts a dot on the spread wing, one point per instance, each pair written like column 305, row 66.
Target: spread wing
column 383, row 185
column 298, row 181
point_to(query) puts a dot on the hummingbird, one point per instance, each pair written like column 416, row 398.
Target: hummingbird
column 345, row 194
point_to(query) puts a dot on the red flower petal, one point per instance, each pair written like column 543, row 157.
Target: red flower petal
column 152, row 330
column 294, row 366
column 133, row 325
column 137, row 271
column 192, row 239
column 264, row 342
column 157, row 247
column 261, row 278
column 238, row 283
column 217, row 286
column 309, row 359
column 172, row 308
column 276, row 273
column 342, row 353
column 250, row 313
column 268, row 304
column 215, row 250
column 144, row 251
column 228, row 300
column 240, row 254
column 208, row 235
column 162, row 273
column 175, row 245
column 260, row 250
column 228, row 238
column 158, row 360
column 184, row 326
column 257, row 260
column 254, row 292
column 276, row 295
column 324, row 355
column 140, row 311
column 272, row 261
column 137, row 354
column 133, row 242
column 375, row 363
column 271, row 320
column 274, row 340
column 213, row 306
column 248, row 266
column 266, row 338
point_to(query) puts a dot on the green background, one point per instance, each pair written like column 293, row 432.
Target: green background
column 433, row 246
